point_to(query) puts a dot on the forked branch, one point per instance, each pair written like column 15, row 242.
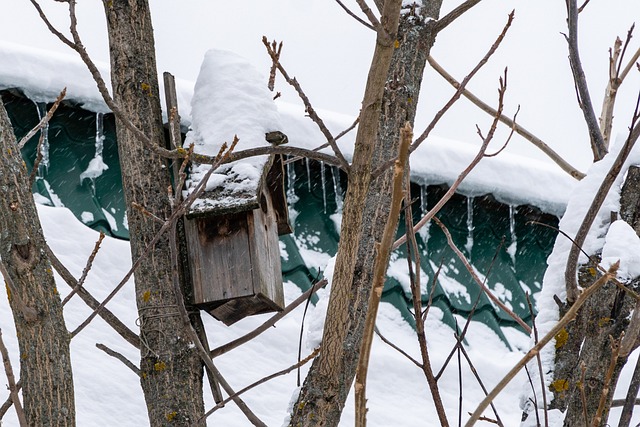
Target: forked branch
column 598, row 146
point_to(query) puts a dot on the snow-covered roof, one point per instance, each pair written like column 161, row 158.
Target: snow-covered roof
column 510, row 178
column 230, row 98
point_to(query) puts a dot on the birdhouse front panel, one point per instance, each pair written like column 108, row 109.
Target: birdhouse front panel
column 234, row 261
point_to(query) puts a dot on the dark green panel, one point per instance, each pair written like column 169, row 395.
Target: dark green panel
column 482, row 228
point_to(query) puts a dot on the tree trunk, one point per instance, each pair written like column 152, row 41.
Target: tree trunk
column 45, row 362
column 587, row 341
column 171, row 370
column 390, row 100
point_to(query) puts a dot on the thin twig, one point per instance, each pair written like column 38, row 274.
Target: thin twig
column 309, row 108
column 44, row 120
column 396, row 348
column 354, row 16
column 569, row 316
column 262, row 381
column 535, row 397
column 129, row 364
column 269, row 323
column 13, row 390
column 375, row 23
column 86, row 270
column 630, row 400
column 584, row 99
column 544, row 147
column 596, row 203
column 539, row 362
column 111, row 319
column 604, row 395
column 413, row 256
column 377, row 172
column 583, row 394
column 451, row 191
column 326, row 144
column 443, row 22
column 479, row 282
column 478, row 379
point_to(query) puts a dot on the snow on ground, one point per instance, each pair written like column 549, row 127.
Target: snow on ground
column 109, row 394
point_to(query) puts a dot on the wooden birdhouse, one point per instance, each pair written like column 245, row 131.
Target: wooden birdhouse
column 232, row 228
column 234, row 253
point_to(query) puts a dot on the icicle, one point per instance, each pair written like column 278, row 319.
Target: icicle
column 324, row 188
column 306, row 161
column 337, row 188
column 291, row 179
column 96, row 165
column 424, row 231
column 513, row 246
column 99, row 134
column 43, row 167
column 469, row 245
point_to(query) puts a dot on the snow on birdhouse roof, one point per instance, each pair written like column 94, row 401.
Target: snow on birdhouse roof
column 243, row 95
column 230, row 99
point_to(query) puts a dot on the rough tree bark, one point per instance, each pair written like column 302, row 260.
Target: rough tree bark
column 171, row 370
column 587, row 341
column 390, row 100
column 45, row 362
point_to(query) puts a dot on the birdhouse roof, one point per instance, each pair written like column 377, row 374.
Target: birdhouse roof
column 230, row 99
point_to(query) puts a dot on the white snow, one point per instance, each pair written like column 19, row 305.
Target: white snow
column 553, row 282
column 511, row 178
column 109, row 394
column 94, row 169
column 622, row 244
column 230, row 99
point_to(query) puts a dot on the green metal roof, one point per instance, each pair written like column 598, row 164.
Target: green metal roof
column 478, row 225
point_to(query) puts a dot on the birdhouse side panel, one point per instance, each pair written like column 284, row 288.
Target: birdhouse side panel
column 219, row 258
column 265, row 253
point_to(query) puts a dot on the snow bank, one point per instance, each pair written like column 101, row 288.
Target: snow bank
column 512, row 179
column 553, row 282
column 41, row 75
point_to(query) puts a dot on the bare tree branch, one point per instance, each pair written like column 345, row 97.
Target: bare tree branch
column 13, row 389
column 584, row 99
column 479, row 282
column 262, row 381
column 594, row 208
column 354, row 16
column 86, row 270
column 453, row 99
column 413, row 256
column 375, row 23
column 569, row 316
column 454, row 14
column 451, row 191
column 44, row 120
column 111, row 319
column 546, row 149
column 396, row 348
column 309, row 108
column 129, row 364
column 269, row 323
